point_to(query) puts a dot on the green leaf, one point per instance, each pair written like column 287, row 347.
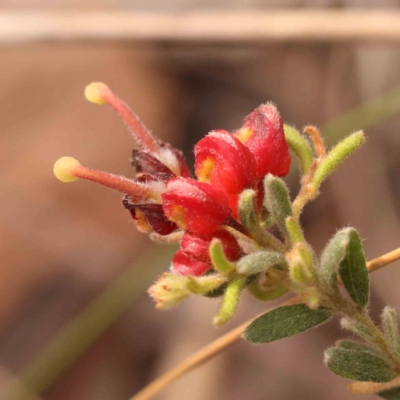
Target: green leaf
column 230, row 300
column 277, row 201
column 353, row 270
column 337, row 155
column 300, row 146
column 249, row 219
column 284, row 322
column 390, row 394
column 205, row 284
column 353, row 345
column 331, row 257
column 267, row 294
column 260, row 261
column 358, row 364
column 391, row 329
column 247, row 214
column 218, row 258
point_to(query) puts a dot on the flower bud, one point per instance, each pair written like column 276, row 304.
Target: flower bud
column 194, row 206
column 262, row 132
column 184, row 264
column 221, row 159
column 169, row 290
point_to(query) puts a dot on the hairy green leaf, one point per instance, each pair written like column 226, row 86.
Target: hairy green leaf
column 284, row 322
column 218, row 258
column 300, row 147
column 353, row 270
column 391, row 329
column 230, row 300
column 277, row 201
column 331, row 257
column 358, row 364
column 353, row 345
column 247, row 215
column 337, row 155
column 260, row 261
column 268, row 293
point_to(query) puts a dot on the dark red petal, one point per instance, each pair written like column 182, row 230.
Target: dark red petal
column 156, row 218
column 223, row 160
column 262, row 132
column 183, row 264
column 197, row 207
column 147, row 178
column 153, row 215
column 145, row 163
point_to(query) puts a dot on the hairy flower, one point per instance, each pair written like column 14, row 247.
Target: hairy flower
column 262, row 132
column 163, row 197
column 197, row 207
column 222, row 160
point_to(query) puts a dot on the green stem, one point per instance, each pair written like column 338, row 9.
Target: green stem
column 372, row 333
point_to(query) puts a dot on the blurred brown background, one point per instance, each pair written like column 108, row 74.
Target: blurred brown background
column 62, row 245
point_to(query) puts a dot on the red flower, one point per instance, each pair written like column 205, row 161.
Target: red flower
column 262, row 132
column 197, row 207
column 184, row 264
column 198, row 246
column 221, row 159
column 194, row 256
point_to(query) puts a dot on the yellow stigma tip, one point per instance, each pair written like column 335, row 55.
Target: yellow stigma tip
column 93, row 92
column 64, row 167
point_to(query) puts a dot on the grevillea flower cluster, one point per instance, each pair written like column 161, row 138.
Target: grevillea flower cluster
column 166, row 200
column 239, row 229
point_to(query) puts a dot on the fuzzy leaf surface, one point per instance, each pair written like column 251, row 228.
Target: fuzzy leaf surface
column 353, row 270
column 260, row 261
column 359, row 365
column 353, row 345
column 331, row 257
column 284, row 322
